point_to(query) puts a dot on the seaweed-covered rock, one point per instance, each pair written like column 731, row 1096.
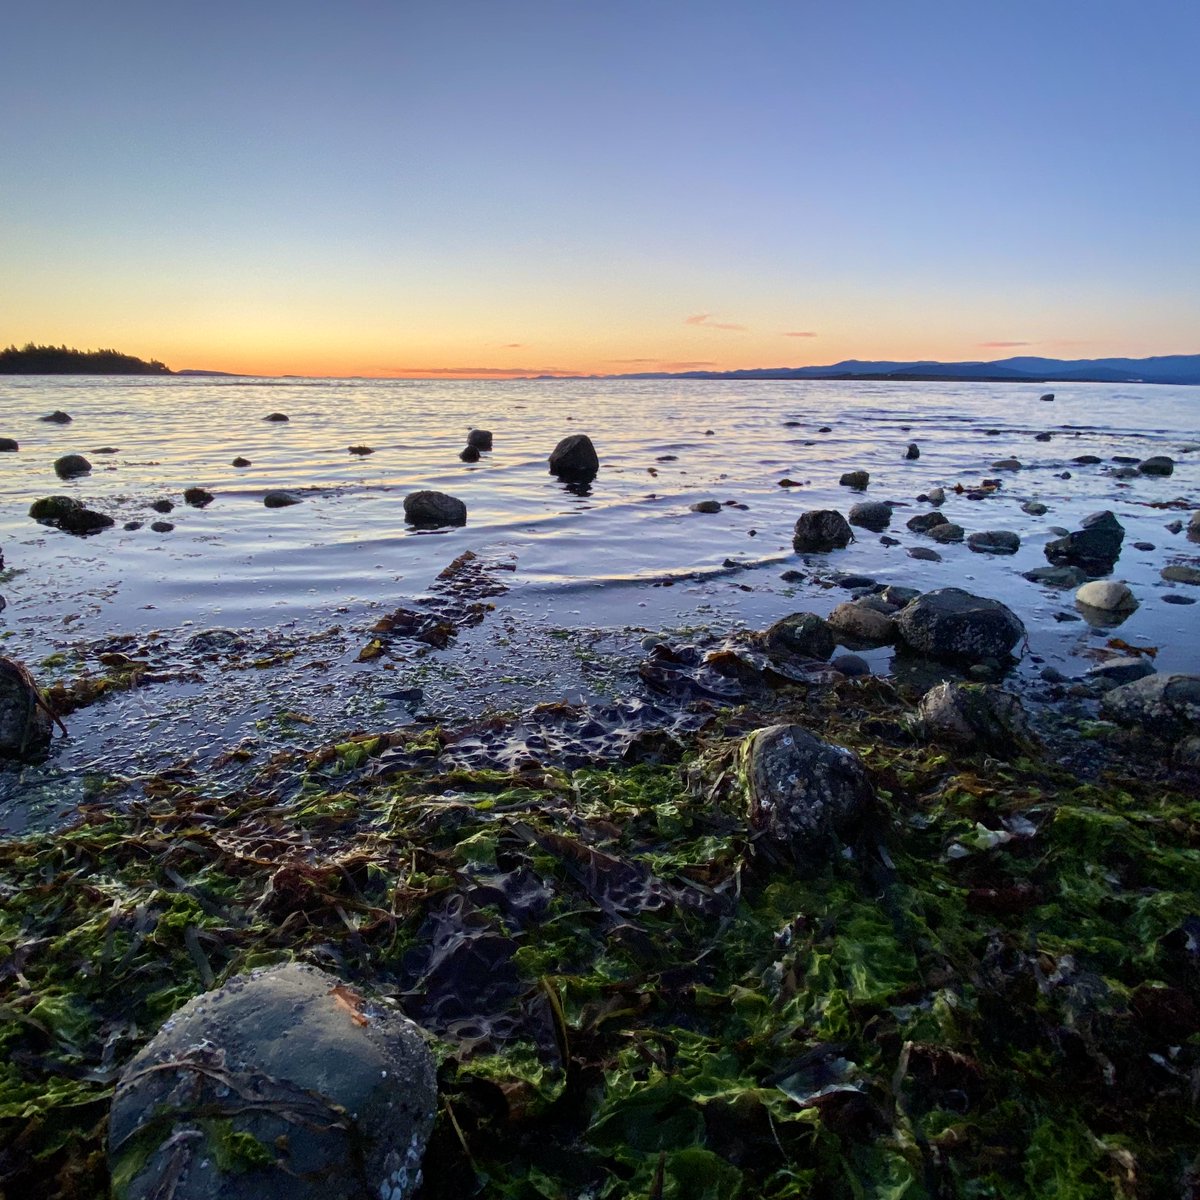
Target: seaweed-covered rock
column 871, row 514
column 70, row 465
column 574, row 458
column 197, row 497
column 957, row 626
column 924, row 522
column 820, row 530
column 24, row 721
column 857, row 480
column 1166, row 706
column 53, row 508
column 285, row 1084
column 481, row 439
column 1095, row 546
column 431, row 510
column 806, row 795
column 69, row 515
column 804, row 635
column 862, row 624
column 978, row 715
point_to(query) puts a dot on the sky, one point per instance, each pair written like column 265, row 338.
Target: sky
column 511, row 187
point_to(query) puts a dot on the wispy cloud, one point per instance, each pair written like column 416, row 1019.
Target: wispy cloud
column 1003, row 345
column 512, row 345
column 477, row 372
column 705, row 320
column 687, row 366
column 632, row 362
column 799, row 333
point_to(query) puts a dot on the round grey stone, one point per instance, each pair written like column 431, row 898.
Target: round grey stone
column 871, row 514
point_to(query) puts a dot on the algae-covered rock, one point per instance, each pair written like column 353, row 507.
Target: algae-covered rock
column 1166, row 706
column 806, row 795
column 820, row 530
column 25, row 725
column 956, row 626
column 285, row 1084
column 69, row 515
column 857, row 480
column 804, row 635
column 977, row 715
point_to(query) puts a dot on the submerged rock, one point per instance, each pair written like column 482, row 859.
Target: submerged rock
column 1165, row 706
column 25, row 724
column 947, row 533
column 1158, row 464
column 863, row 624
column 57, row 417
column 469, row 454
column 953, row 625
column 1056, row 577
column 431, row 510
column 285, row 1084
column 360, row 451
column 198, row 497
column 803, row 635
column 278, row 417
column 280, row 500
column 855, row 479
column 924, row 522
column 481, row 439
column 69, row 515
column 1180, row 573
column 820, row 530
column 994, row 541
column 71, row 465
column 574, row 458
column 871, row 514
column 1116, row 671
column 913, row 451
column 805, row 795
column 8, row 445
column 1034, row 508
column 974, row 715
column 1095, row 546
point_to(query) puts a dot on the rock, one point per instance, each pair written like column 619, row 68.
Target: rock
column 1047, row 396
column 1166, row 706
column 924, row 554
column 360, row 451
column 481, row 439
column 8, row 445
column 1144, row 546
column 1087, row 460
column 279, row 500
column 852, row 582
column 805, row 795
column 1034, row 508
column 1095, row 546
column 1125, row 473
column 855, row 479
column 1006, row 464
column 432, row 510
column 277, row 417
column 1176, row 598
column 924, row 522
column 895, row 596
column 1041, row 437
column 1057, row 577
column 820, row 530
column 197, row 497
column 469, row 454
column 1181, row 573
column 936, row 496
column 1116, row 671
column 71, row 465
column 825, row 429
column 801, row 635
column 1108, row 595
column 574, row 458
column 1158, row 464
column 994, row 541
column 68, row 515
column 241, row 462
column 871, row 514
column 889, row 541
column 913, row 451
column 53, row 508
column 862, row 624
column 161, row 526
column 25, row 725
column 132, row 526
column 284, row 1084
column 57, row 417
column 977, row 715
column 851, row 666
column 945, row 534
column 953, row 625
column 706, row 506
column 163, row 506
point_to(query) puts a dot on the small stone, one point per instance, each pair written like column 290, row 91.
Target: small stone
column 240, row 462
column 277, row 417
column 575, row 458
column 1159, row 464
column 279, row 500
column 1041, row 437
column 481, row 439
column 948, row 533
column 1057, row 577
column 1006, row 464
column 1176, row 598
column 469, row 454
column 198, row 497
column 851, row 665
column 1117, row 671
column 132, row 526
column 924, row 522
column 360, row 451
column 862, row 624
column 913, row 451
column 161, row 526
column 163, row 506
column 8, row 445
column 994, row 541
column 1108, row 595
column 705, row 506
column 825, row 429
column 855, row 479
column 1034, row 508
column 1047, row 396
column 1087, row 460
column 71, row 465
column 924, row 554
column 1144, row 546
column 801, row 635
column 57, row 417
column 1181, row 573
column 433, row 510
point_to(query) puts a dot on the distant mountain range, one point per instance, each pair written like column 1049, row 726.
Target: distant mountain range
column 1167, row 368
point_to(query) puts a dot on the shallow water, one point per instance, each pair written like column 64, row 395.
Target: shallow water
column 305, row 584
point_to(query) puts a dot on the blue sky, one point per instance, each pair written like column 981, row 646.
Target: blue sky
column 389, row 188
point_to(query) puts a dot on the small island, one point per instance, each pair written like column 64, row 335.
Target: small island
column 60, row 360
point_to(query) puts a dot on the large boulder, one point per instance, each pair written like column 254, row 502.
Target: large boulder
column 481, row 439
column 25, row 725
column 952, row 625
column 860, row 623
column 819, row 530
column 801, row 635
column 804, row 794
column 974, row 715
column 1166, row 706
column 431, row 510
column 285, row 1084
column 1158, row 464
column 574, row 458
column 1095, row 545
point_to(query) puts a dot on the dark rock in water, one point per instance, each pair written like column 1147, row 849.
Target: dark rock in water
column 1058, row 577
column 1042, row 437
column 574, row 458
column 820, row 530
column 1034, row 508
column 8, row 445
column 1176, row 598
column 25, row 724
column 481, row 439
column 946, row 534
column 1087, row 460
column 69, row 515
column 163, row 506
column 853, row 582
column 825, row 429
column 955, row 626
column 53, row 508
column 1181, row 573
column 132, row 526
column 161, row 526
column 871, row 514
column 57, row 417
column 889, row 541
column 977, row 715
column 855, row 479
column 860, row 624
column 913, row 451
column 1006, row 464
column 895, row 596
column 240, row 462
column 1165, row 706
column 791, row 575
column 924, row 522
column 994, row 541
column 1117, row 671
column 71, row 465
column 851, row 665
column 284, row 1084
column 279, row 500
column 802, row 635
column 105, row 450
column 1144, row 546
column 1095, row 546
column 360, row 451
column 805, row 795
column 198, row 497
column 1127, row 460
column 1159, row 464
column 924, row 554
column 469, row 454
column 431, row 510
column 705, row 506
column 277, row 417
column 1047, row 396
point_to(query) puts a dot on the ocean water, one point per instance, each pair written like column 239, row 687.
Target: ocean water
column 593, row 572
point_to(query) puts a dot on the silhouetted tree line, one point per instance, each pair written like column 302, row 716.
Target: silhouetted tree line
column 60, row 360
